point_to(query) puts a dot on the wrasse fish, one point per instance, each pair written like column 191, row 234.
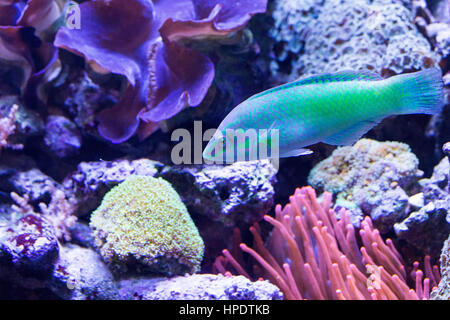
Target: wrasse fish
column 336, row 109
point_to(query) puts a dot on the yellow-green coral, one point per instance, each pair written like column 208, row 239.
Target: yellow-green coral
column 142, row 223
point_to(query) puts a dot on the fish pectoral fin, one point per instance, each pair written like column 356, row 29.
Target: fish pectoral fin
column 275, row 124
column 295, row 153
column 351, row 134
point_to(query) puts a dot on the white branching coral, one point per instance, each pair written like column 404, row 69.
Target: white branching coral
column 22, row 203
column 59, row 212
column 7, row 127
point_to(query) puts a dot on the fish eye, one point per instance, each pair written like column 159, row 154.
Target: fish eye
column 215, row 147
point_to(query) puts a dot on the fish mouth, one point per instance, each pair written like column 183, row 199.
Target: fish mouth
column 207, row 153
column 212, row 152
column 209, row 150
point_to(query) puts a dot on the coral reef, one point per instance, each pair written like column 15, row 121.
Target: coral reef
column 369, row 177
column 142, row 225
column 312, row 255
column 217, row 197
column 93, row 205
column 199, row 287
column 331, row 35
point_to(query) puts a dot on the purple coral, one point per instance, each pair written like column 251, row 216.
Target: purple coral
column 15, row 50
column 211, row 17
column 137, row 40
column 39, row 14
column 20, row 24
column 9, row 12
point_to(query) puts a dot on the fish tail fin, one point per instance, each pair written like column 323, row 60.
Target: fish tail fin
column 422, row 92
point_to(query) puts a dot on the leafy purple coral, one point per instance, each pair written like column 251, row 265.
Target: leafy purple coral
column 20, row 47
column 113, row 34
column 181, row 77
column 10, row 11
column 40, row 14
column 212, row 18
column 14, row 50
column 123, row 37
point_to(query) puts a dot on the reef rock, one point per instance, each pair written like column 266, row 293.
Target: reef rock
column 28, row 245
column 92, row 180
column 428, row 227
column 19, row 174
column 80, row 274
column 82, row 235
column 440, row 32
column 81, row 97
column 439, row 28
column 330, row 35
column 199, row 287
column 369, row 177
column 62, row 137
column 241, row 192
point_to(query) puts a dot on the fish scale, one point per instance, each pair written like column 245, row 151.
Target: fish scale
column 335, row 108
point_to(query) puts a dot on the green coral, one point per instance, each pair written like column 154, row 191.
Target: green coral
column 143, row 224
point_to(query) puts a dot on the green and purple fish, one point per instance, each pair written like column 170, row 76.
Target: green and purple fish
column 336, row 109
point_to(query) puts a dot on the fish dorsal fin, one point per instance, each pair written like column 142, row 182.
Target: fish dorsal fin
column 351, row 134
column 343, row 75
column 340, row 76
